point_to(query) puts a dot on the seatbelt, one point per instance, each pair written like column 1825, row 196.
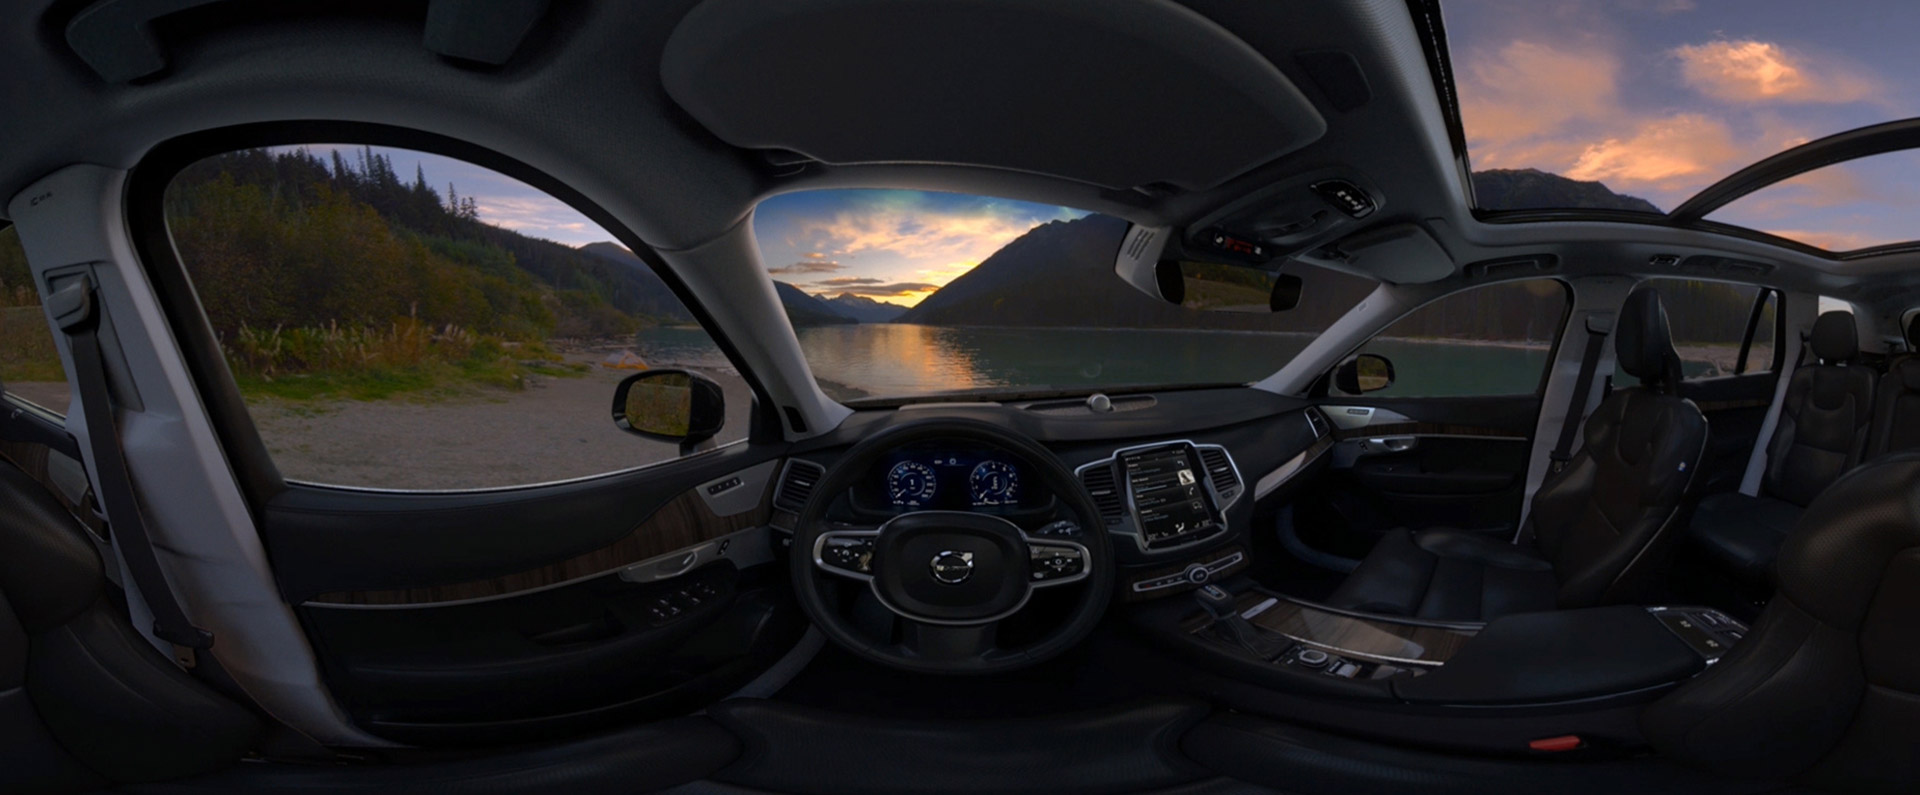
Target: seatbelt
column 1598, row 326
column 73, row 307
column 1757, row 460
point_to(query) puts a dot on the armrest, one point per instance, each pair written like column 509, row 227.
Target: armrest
column 1566, row 655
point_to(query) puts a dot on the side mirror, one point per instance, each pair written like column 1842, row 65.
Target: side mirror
column 1368, row 372
column 670, row 405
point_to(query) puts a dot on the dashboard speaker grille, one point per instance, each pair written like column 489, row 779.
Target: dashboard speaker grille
column 1220, row 468
column 1106, row 493
column 796, row 484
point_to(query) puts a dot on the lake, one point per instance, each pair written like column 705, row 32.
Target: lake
column 885, row 359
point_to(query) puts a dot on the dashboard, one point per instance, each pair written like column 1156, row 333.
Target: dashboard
column 955, row 476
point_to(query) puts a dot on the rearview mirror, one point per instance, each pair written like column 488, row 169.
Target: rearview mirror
column 1368, row 372
column 670, row 405
column 1218, row 287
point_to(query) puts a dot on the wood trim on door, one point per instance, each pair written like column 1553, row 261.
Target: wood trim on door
column 681, row 523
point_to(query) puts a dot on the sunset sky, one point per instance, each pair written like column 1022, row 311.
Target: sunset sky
column 1660, row 98
column 890, row 245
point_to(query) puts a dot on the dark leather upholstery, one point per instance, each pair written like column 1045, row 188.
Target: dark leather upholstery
column 83, row 697
column 1444, row 574
column 1599, row 525
column 1896, row 408
column 1822, row 433
column 1826, row 686
column 1743, row 534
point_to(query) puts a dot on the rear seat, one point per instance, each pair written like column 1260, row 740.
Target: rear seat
column 1822, row 433
column 1896, row 407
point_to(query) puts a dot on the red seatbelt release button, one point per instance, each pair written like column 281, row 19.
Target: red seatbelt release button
column 1565, row 742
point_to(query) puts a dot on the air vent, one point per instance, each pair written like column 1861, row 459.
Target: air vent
column 1106, row 493
column 1220, row 467
column 1317, row 421
column 796, row 484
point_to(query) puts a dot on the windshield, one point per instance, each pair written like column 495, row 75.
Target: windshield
column 903, row 294
column 1638, row 104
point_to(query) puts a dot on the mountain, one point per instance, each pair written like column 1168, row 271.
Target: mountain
column 1061, row 274
column 806, row 310
column 864, row 309
column 1531, row 189
column 650, row 294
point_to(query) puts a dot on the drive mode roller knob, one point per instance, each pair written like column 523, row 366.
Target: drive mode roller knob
column 1312, row 658
column 1198, row 574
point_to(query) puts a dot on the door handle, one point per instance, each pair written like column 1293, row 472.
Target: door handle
column 1390, row 444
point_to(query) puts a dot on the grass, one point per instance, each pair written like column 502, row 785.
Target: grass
column 26, row 346
column 405, row 358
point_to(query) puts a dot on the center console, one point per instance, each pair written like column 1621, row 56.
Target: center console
column 1531, row 658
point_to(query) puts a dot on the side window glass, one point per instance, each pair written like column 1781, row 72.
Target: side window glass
column 1487, row 341
column 401, row 320
column 29, row 364
column 1709, row 322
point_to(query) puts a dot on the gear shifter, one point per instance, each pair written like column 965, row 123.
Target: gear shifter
column 1228, row 624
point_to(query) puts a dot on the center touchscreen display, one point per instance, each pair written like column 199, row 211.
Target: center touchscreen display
column 1168, row 497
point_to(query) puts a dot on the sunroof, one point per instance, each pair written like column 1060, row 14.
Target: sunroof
column 1655, row 99
column 1858, row 204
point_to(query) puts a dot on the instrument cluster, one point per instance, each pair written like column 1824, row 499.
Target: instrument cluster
column 942, row 476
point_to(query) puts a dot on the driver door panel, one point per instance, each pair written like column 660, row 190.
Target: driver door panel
column 500, row 616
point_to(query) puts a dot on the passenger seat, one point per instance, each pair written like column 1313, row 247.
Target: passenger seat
column 1822, row 433
column 1599, row 525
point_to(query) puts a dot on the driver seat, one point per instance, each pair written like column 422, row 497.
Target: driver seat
column 1825, row 689
column 1599, row 526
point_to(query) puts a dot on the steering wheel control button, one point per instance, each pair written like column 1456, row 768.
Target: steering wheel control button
column 1056, row 563
column 848, row 554
column 952, row 567
column 1064, row 528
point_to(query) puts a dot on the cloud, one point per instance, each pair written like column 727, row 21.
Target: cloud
column 882, row 290
column 1758, row 71
column 1529, row 88
column 848, row 281
column 1686, row 148
column 920, row 233
column 526, row 213
column 809, row 266
column 1831, row 241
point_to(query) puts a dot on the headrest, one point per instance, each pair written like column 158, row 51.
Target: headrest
column 1913, row 333
column 1642, row 342
column 1835, row 338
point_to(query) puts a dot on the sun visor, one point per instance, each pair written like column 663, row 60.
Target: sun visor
column 1116, row 93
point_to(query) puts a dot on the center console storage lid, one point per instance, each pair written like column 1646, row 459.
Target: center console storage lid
column 1567, row 655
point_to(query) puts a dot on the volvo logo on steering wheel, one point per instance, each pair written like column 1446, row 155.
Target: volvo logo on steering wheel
column 952, row 567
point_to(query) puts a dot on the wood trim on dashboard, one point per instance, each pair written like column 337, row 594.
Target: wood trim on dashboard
column 683, row 522
column 1424, row 429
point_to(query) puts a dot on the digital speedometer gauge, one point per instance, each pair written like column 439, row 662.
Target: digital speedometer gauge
column 910, row 484
column 994, row 483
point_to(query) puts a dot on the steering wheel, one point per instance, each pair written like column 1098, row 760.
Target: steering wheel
column 951, row 577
